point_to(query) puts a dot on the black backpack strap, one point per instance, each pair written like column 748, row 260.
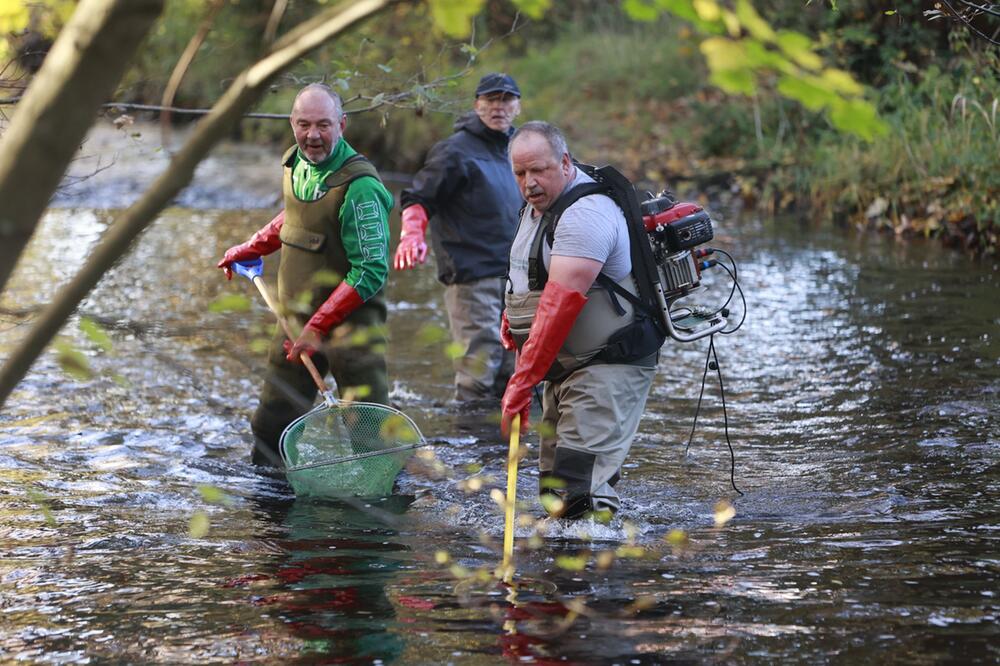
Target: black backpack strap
column 537, row 275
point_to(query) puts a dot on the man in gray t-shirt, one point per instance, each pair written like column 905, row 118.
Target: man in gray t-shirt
column 560, row 318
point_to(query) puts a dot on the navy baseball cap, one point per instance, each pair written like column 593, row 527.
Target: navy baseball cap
column 497, row 82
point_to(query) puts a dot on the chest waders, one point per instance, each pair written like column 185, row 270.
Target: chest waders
column 312, row 253
column 614, row 327
column 311, row 241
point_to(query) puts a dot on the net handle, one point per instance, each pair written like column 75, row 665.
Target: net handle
column 258, row 282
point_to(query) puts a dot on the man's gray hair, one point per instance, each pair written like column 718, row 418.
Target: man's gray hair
column 549, row 132
column 322, row 87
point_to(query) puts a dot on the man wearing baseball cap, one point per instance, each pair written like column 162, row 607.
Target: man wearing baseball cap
column 467, row 194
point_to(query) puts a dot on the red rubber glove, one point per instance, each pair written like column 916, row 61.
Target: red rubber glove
column 412, row 248
column 264, row 241
column 307, row 343
column 557, row 310
column 506, row 341
column 344, row 300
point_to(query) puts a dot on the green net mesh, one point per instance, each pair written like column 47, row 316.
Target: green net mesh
column 348, row 449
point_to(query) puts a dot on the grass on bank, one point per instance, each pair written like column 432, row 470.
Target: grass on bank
column 637, row 96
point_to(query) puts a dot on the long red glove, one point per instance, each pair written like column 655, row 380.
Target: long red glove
column 264, row 241
column 412, row 248
column 506, row 339
column 344, row 300
column 558, row 308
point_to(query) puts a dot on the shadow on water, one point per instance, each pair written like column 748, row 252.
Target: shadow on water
column 862, row 402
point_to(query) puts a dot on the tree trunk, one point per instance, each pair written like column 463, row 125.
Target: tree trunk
column 78, row 75
column 248, row 87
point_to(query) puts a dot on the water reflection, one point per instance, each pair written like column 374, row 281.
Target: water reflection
column 329, row 585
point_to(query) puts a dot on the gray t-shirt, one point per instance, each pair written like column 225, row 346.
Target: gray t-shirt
column 592, row 228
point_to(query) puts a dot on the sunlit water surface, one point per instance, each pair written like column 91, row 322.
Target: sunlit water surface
column 862, row 398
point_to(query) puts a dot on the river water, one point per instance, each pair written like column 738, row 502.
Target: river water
column 862, row 400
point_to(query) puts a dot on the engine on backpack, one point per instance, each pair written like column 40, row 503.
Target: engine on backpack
column 674, row 229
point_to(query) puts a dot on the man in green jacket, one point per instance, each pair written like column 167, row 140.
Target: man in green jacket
column 334, row 239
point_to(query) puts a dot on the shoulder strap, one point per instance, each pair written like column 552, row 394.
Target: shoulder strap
column 537, row 275
column 353, row 168
column 643, row 263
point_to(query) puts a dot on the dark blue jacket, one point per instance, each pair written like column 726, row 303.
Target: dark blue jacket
column 470, row 195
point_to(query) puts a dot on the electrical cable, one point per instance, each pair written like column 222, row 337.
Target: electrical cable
column 743, row 299
column 712, row 362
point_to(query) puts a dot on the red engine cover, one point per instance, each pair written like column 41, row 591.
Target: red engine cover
column 670, row 215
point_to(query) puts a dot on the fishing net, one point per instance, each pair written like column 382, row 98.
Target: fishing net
column 348, row 449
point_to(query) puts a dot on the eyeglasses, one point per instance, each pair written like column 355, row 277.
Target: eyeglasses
column 491, row 98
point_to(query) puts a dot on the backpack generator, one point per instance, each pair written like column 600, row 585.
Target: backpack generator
column 663, row 236
column 675, row 229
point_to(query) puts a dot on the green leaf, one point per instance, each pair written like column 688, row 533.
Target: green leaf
column 799, row 48
column 841, row 81
column 533, row 8
column 72, row 361
column 641, row 10
column 805, row 91
column 326, row 278
column 759, row 56
column 214, row 495
column 753, row 22
column 454, row 17
column 739, row 82
column 572, row 562
column 230, row 303
column 858, row 117
column 454, row 350
column 430, row 334
column 551, row 482
column 95, row 333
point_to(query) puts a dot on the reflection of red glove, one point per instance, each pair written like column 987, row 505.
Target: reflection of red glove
column 558, row 308
column 506, row 341
column 265, row 241
column 412, row 248
column 307, row 344
column 344, row 300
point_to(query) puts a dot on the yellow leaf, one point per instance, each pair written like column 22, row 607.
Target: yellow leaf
column 841, row 81
column 630, row 551
column 552, row 504
column 454, row 350
column 454, row 17
column 707, row 10
column 676, row 538
column 753, row 22
column 605, row 559
column 572, row 562
column 724, row 512
column 198, row 526
column 213, row 495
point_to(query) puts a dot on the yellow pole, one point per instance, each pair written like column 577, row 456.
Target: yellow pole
column 508, row 523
